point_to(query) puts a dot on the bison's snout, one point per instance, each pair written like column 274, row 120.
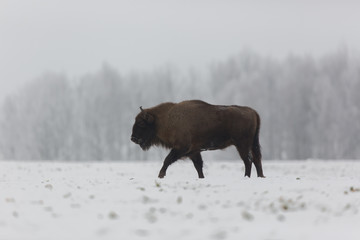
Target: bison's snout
column 136, row 140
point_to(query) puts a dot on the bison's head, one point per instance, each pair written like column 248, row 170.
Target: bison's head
column 143, row 131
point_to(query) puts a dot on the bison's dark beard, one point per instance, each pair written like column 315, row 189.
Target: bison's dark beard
column 148, row 140
column 145, row 145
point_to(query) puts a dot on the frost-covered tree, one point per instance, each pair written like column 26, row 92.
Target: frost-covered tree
column 309, row 107
column 35, row 123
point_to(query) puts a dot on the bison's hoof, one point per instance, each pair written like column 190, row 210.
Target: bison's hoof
column 161, row 175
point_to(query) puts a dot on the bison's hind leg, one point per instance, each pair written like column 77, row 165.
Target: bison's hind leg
column 256, row 153
column 198, row 163
column 257, row 162
column 246, row 157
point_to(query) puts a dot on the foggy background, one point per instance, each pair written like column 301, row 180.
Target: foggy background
column 74, row 73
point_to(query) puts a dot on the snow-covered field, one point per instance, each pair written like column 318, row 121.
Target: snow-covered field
column 297, row 200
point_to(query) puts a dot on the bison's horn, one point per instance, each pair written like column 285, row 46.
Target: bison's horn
column 141, row 108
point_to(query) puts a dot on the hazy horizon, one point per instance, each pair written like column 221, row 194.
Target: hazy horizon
column 77, row 37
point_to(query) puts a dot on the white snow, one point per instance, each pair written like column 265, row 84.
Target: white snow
column 297, row 200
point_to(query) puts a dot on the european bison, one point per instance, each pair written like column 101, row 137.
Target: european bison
column 190, row 127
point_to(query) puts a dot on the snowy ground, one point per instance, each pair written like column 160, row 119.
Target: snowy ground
column 297, row 200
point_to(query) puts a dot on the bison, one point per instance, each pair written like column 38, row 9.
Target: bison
column 190, row 127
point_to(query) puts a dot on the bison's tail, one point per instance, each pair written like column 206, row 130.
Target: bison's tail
column 256, row 149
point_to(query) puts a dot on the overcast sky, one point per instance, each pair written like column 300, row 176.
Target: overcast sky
column 77, row 36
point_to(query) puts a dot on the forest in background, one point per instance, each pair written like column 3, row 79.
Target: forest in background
column 309, row 107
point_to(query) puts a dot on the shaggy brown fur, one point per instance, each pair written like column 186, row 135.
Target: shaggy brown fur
column 190, row 127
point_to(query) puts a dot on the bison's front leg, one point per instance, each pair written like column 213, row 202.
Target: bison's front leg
column 171, row 158
column 198, row 163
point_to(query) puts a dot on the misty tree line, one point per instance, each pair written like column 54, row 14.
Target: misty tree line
column 310, row 108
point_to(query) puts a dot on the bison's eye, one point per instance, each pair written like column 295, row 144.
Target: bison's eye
column 140, row 124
